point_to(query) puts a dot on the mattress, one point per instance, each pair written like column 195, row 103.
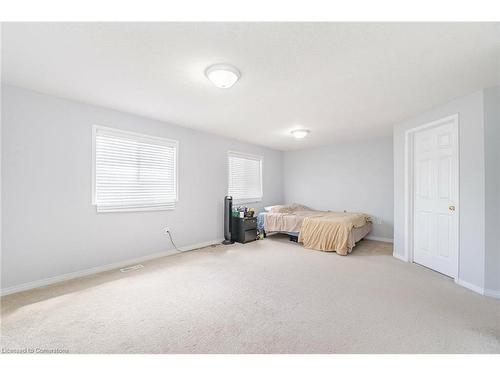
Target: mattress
column 261, row 224
column 356, row 234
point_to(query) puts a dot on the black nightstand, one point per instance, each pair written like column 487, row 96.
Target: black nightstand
column 244, row 229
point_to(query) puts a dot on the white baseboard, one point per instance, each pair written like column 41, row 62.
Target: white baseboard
column 492, row 293
column 381, row 239
column 98, row 269
column 470, row 286
column 400, row 257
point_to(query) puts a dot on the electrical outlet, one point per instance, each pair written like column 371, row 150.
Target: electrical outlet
column 377, row 220
column 166, row 230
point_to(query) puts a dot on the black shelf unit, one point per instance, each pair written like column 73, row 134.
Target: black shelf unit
column 244, row 229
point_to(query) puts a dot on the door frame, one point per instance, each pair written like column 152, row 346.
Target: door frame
column 409, row 193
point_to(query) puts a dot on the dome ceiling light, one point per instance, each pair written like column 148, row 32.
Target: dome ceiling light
column 300, row 133
column 223, row 75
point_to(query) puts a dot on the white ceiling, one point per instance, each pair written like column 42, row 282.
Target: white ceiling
column 344, row 81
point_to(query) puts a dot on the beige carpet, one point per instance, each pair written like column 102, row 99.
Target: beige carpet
column 271, row 296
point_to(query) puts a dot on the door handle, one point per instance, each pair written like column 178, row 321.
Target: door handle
column 451, row 208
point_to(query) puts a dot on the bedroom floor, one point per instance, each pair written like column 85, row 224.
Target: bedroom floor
column 270, row 296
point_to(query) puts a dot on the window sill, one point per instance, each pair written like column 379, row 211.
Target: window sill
column 162, row 207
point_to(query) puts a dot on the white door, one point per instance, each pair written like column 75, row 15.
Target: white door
column 435, row 203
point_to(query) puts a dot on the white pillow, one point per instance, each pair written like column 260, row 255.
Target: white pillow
column 270, row 208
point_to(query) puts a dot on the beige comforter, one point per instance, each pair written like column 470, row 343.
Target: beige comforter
column 286, row 221
column 329, row 231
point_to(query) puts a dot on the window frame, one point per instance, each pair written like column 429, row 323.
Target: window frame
column 145, row 208
column 251, row 157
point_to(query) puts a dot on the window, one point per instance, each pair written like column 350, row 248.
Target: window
column 245, row 177
column 133, row 172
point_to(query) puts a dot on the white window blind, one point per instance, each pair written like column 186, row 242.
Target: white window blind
column 245, row 177
column 133, row 172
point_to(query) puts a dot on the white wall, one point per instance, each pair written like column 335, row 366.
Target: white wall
column 492, row 165
column 353, row 177
column 472, row 183
column 49, row 225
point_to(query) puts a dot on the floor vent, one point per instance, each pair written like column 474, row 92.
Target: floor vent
column 131, row 268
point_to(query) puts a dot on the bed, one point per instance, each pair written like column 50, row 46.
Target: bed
column 318, row 230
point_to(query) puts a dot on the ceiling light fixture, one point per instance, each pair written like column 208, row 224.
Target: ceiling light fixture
column 300, row 133
column 223, row 75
